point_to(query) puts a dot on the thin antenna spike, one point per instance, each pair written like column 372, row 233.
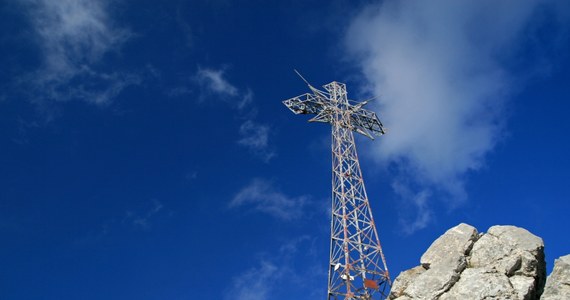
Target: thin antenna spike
column 372, row 99
column 303, row 78
column 315, row 91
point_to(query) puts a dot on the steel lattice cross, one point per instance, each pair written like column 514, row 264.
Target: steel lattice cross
column 357, row 268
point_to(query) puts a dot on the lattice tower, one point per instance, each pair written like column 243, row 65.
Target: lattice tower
column 357, row 268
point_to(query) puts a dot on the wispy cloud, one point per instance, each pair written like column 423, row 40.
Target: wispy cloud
column 420, row 214
column 253, row 135
column 141, row 219
column 277, row 273
column 261, row 195
column 73, row 37
column 440, row 69
column 214, row 82
column 256, row 283
column 256, row 137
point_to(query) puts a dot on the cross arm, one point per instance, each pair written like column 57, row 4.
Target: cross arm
column 305, row 104
column 366, row 122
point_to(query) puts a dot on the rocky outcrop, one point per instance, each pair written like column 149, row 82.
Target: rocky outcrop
column 440, row 266
column 507, row 262
column 558, row 283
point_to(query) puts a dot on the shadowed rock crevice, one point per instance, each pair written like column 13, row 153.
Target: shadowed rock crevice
column 507, row 262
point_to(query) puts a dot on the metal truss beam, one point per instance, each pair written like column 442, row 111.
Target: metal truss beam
column 357, row 268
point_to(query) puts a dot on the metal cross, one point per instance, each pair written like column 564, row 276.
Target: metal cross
column 357, row 268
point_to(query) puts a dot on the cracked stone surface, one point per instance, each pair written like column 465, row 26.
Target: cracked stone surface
column 481, row 283
column 436, row 280
column 403, row 280
column 456, row 242
column 507, row 262
column 558, row 283
column 524, row 286
column 510, row 250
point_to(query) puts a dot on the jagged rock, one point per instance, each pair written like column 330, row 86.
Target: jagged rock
column 491, row 253
column 523, row 244
column 403, row 280
column 558, row 283
column 507, row 262
column 431, row 284
column 524, row 286
column 509, row 250
column 480, row 283
column 517, row 237
column 442, row 263
column 455, row 242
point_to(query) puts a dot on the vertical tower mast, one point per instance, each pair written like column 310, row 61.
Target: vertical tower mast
column 357, row 268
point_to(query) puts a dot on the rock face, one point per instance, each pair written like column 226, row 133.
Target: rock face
column 507, row 262
column 558, row 283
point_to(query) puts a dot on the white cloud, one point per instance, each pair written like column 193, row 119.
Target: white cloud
column 261, row 195
column 214, row 82
column 439, row 70
column 73, row 36
column 256, row 137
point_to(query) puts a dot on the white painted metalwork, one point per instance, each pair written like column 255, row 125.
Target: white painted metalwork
column 357, row 268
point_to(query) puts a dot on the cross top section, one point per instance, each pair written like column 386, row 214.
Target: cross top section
column 332, row 106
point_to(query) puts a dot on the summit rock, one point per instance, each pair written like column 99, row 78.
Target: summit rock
column 506, row 262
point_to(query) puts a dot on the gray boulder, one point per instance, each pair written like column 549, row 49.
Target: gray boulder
column 440, row 266
column 507, row 262
column 432, row 283
column 558, row 283
column 515, row 253
column 480, row 283
column 455, row 243
column 403, row 280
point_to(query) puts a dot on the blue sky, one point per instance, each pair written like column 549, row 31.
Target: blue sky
column 145, row 152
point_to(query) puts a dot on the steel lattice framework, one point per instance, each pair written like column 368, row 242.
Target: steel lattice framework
column 357, row 268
